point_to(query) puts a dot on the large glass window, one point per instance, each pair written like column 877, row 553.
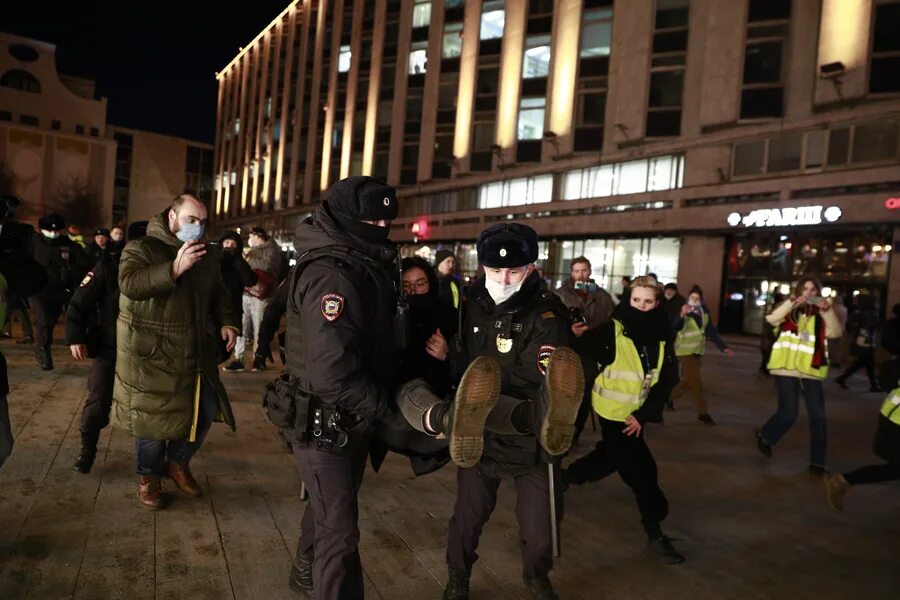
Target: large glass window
column 875, row 141
column 596, row 32
column 537, row 57
column 785, row 153
column 768, row 24
column 667, row 68
column 632, row 177
column 613, row 259
column 884, row 76
column 418, row 58
column 531, row 118
column 493, row 17
column 516, row 192
column 421, row 13
column 451, row 46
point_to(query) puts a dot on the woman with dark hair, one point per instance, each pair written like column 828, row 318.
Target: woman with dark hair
column 799, row 362
column 692, row 327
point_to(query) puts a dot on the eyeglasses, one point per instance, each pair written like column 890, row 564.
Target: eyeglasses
column 419, row 286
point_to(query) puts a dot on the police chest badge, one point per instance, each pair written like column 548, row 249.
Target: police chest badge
column 543, row 358
column 504, row 344
column 332, row 306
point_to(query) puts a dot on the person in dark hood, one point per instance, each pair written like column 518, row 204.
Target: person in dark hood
column 637, row 373
column 236, row 272
column 342, row 362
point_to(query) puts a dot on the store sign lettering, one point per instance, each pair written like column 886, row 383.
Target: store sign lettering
column 892, row 204
column 786, row 217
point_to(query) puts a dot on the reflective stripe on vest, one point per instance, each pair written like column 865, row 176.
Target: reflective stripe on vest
column 454, row 289
column 623, row 387
column 691, row 339
column 794, row 351
column 891, row 407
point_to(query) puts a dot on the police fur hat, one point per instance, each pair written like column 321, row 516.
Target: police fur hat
column 361, row 198
column 507, row 245
column 441, row 256
column 136, row 230
column 52, row 223
column 102, row 231
column 233, row 235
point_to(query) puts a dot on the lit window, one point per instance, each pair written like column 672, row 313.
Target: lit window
column 596, row 33
column 421, row 13
column 516, row 192
column 233, row 177
column 537, row 57
column 493, row 18
column 452, row 43
column 237, row 126
column 531, row 118
column 344, row 59
column 268, row 109
column 418, row 58
column 633, row 177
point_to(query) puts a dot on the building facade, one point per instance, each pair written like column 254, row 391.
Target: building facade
column 736, row 145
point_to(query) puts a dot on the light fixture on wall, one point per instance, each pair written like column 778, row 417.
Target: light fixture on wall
column 834, row 72
column 553, row 140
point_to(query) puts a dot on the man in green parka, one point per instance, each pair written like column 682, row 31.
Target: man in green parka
column 173, row 304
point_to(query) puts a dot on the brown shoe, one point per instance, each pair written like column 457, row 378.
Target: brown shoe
column 150, row 493
column 182, row 477
column 476, row 395
column 562, row 392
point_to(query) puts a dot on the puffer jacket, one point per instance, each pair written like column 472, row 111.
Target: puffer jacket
column 265, row 258
column 164, row 341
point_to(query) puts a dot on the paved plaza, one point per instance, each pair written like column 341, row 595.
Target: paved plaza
column 751, row 528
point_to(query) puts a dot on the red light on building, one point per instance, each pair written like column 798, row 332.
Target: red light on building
column 892, row 204
column 419, row 228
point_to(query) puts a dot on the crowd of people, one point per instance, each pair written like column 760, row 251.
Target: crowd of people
column 498, row 375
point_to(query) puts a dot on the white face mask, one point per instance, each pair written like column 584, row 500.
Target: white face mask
column 50, row 235
column 693, row 303
column 501, row 293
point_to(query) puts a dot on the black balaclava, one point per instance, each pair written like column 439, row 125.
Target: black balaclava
column 356, row 199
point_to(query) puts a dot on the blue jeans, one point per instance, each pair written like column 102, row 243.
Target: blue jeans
column 150, row 455
column 789, row 389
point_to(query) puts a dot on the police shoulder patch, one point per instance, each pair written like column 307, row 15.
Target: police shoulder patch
column 543, row 357
column 332, row 306
column 87, row 279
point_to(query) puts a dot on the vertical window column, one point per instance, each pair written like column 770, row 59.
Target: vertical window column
column 667, row 66
column 594, row 49
column 768, row 28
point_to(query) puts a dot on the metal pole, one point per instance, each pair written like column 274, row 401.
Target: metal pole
column 554, row 532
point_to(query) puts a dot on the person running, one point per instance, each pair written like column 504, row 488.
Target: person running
column 638, row 369
column 886, row 446
column 692, row 328
column 862, row 327
column 799, row 362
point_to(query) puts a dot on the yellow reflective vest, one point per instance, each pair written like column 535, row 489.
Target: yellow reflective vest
column 891, row 407
column 794, row 351
column 691, row 339
column 623, row 386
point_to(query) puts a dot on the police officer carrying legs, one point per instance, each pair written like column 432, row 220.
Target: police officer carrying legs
column 341, row 359
column 91, row 332
column 65, row 264
column 511, row 321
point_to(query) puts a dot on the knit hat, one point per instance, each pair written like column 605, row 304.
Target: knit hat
column 52, row 223
column 362, row 198
column 233, row 235
column 507, row 245
column 441, row 256
column 136, row 230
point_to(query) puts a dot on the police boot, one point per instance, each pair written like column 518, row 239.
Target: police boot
column 85, row 459
column 44, row 358
column 301, row 579
column 541, row 589
column 477, row 394
column 662, row 547
column 561, row 392
column 457, row 585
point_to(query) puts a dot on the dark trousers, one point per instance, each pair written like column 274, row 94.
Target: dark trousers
column 329, row 528
column 95, row 412
column 789, row 389
column 631, row 457
column 151, row 455
column 873, row 474
column 476, row 497
column 584, row 411
column 47, row 311
column 863, row 358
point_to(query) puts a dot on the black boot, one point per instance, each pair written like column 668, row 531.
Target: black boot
column 457, row 585
column 541, row 589
column 301, row 574
column 663, row 547
column 88, row 453
column 44, row 358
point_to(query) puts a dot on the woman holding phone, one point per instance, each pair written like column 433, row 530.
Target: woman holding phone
column 799, row 363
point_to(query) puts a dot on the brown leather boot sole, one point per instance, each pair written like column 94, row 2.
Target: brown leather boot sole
column 184, row 480
column 150, row 495
column 564, row 386
column 477, row 394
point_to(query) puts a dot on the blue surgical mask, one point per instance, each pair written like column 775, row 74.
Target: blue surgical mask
column 190, row 232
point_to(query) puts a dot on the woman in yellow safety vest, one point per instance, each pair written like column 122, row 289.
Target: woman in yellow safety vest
column 886, row 447
column 637, row 371
column 691, row 330
column 799, row 362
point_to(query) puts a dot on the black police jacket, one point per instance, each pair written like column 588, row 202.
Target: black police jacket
column 24, row 276
column 521, row 334
column 341, row 307
column 94, row 309
column 65, row 263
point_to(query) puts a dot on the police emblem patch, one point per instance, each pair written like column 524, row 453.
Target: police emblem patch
column 504, row 344
column 87, row 279
column 332, row 306
column 543, row 358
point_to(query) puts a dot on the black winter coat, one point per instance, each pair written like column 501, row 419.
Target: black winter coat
column 65, row 263
column 237, row 274
column 521, row 334
column 94, row 309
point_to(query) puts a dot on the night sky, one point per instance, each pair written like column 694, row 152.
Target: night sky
column 155, row 61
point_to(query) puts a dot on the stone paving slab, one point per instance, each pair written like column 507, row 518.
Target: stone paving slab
column 751, row 528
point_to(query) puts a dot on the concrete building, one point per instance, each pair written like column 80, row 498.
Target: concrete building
column 53, row 149
column 735, row 145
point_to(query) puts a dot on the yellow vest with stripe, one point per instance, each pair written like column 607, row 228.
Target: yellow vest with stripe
column 794, row 351
column 891, row 407
column 623, row 386
column 454, row 289
column 691, row 339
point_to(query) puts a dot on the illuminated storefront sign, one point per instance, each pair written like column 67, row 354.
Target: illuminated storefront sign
column 786, row 217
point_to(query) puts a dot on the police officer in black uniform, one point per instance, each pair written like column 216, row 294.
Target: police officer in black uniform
column 509, row 319
column 91, row 333
column 65, row 264
column 341, row 357
column 101, row 246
